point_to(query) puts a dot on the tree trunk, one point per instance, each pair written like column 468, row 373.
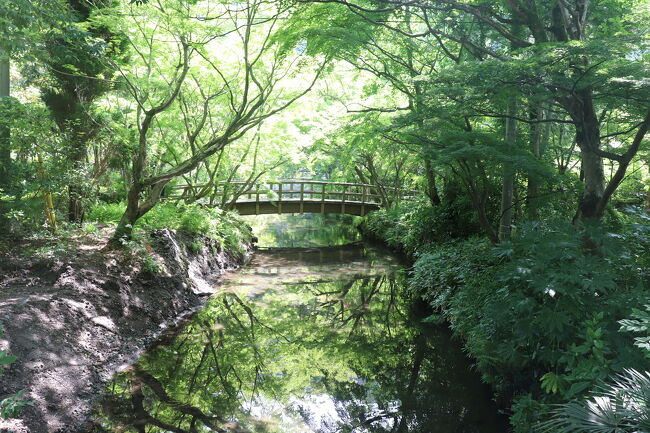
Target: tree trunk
column 581, row 110
column 75, row 188
column 75, row 204
column 538, row 135
column 647, row 204
column 432, row 189
column 505, row 221
column 124, row 228
column 5, row 136
column 140, row 200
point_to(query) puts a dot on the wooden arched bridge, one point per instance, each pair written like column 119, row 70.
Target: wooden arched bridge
column 290, row 196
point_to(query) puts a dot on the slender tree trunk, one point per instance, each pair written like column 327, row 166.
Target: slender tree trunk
column 5, row 133
column 537, row 136
column 75, row 205
column 432, row 189
column 507, row 191
column 140, row 200
column 647, row 204
column 76, row 190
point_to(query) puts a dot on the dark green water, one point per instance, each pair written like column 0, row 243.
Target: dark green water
column 311, row 339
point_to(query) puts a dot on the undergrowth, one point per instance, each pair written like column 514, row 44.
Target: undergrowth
column 224, row 227
column 541, row 315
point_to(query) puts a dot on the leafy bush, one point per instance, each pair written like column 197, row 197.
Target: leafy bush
column 539, row 314
column 106, row 212
column 639, row 322
column 440, row 272
column 226, row 228
column 412, row 226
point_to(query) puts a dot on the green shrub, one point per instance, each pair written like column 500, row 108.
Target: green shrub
column 226, row 228
column 440, row 272
column 639, row 323
column 539, row 314
column 414, row 225
column 106, row 213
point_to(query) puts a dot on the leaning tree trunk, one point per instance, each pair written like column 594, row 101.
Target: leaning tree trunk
column 141, row 198
column 124, row 228
column 583, row 114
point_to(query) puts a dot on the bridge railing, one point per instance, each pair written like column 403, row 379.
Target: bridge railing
column 227, row 194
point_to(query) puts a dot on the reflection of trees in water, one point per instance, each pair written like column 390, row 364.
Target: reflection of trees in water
column 427, row 386
column 352, row 303
column 243, row 363
column 304, row 230
column 140, row 417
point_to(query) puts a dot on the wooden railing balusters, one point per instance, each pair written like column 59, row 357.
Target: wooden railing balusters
column 292, row 195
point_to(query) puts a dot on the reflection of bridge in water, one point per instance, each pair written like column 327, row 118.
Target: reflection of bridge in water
column 292, row 196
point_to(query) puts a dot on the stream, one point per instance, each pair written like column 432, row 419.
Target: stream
column 316, row 334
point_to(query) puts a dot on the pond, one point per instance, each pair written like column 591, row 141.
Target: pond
column 316, row 334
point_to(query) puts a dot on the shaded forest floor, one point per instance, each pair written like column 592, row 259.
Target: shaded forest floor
column 75, row 314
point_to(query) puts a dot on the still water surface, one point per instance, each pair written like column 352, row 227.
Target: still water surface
column 316, row 334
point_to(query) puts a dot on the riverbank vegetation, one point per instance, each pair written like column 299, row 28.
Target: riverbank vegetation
column 508, row 141
column 545, row 318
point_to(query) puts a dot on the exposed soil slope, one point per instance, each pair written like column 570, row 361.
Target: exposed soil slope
column 74, row 318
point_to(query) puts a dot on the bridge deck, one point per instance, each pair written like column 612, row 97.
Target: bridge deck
column 254, row 207
column 290, row 196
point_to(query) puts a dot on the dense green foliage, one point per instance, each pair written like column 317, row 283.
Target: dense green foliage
column 540, row 314
column 518, row 128
column 230, row 231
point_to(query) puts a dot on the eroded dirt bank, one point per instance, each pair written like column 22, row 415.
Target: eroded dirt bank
column 74, row 322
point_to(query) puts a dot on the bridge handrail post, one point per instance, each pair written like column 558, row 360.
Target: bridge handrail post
column 302, row 197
